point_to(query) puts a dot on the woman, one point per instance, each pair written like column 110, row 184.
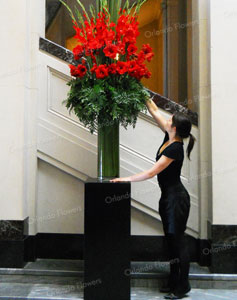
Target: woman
column 174, row 204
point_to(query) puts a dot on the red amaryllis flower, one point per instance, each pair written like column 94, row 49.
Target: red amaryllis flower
column 130, row 35
column 82, row 70
column 121, row 47
column 112, row 69
column 140, row 57
column 103, row 39
column 111, row 50
column 101, row 71
column 122, row 26
column 142, row 72
column 132, row 65
column 73, row 70
column 147, row 74
column 121, row 67
column 78, row 71
column 93, row 58
column 147, row 50
column 112, row 24
column 94, row 68
column 131, row 49
column 78, row 52
column 134, row 69
column 83, row 60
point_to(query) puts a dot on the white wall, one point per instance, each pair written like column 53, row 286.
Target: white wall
column 19, row 35
column 60, row 205
column 223, row 45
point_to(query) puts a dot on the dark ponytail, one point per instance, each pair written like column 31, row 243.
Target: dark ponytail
column 183, row 126
column 190, row 144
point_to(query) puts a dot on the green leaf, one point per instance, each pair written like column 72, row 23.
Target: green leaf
column 98, row 7
column 84, row 10
column 92, row 11
column 79, row 16
column 120, row 98
column 138, row 6
column 129, row 10
column 126, row 5
column 70, row 11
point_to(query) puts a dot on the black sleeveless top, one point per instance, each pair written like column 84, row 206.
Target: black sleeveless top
column 171, row 175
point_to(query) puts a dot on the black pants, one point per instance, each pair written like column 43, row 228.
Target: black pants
column 179, row 260
column 174, row 207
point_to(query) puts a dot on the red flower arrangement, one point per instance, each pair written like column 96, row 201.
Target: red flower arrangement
column 102, row 41
column 107, row 77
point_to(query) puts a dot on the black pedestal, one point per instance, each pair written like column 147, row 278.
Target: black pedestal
column 107, row 229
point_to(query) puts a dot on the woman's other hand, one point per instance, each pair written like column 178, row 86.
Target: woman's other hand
column 120, row 179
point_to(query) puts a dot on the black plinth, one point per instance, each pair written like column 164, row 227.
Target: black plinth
column 107, row 229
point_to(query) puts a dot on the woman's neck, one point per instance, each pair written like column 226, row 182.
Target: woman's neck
column 175, row 138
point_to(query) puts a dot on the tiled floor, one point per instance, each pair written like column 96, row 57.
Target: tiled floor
column 63, row 279
column 59, row 292
column 194, row 294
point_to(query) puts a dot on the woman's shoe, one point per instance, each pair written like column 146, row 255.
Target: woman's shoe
column 171, row 296
column 178, row 294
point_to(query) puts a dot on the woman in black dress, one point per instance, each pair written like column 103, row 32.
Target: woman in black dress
column 174, row 204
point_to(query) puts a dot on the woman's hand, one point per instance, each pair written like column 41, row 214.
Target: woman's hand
column 121, row 179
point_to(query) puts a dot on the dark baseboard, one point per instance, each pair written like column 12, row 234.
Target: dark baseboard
column 223, row 252
column 218, row 252
column 12, row 253
column 59, row 246
column 13, row 237
column 143, row 248
column 154, row 248
column 70, row 246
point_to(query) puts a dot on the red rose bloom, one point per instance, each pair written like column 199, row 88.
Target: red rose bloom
column 101, row 72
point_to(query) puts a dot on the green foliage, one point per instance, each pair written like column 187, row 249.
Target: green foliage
column 106, row 100
column 70, row 11
column 115, row 98
column 112, row 6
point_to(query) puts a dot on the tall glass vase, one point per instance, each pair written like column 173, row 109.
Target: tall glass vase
column 108, row 150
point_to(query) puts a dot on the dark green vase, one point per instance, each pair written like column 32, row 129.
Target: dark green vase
column 108, row 150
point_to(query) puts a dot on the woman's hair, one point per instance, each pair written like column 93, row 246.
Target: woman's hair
column 183, row 129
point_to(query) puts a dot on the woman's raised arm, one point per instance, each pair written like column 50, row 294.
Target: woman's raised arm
column 154, row 111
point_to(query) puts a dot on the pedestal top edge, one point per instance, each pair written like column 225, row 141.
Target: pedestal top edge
column 104, row 180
